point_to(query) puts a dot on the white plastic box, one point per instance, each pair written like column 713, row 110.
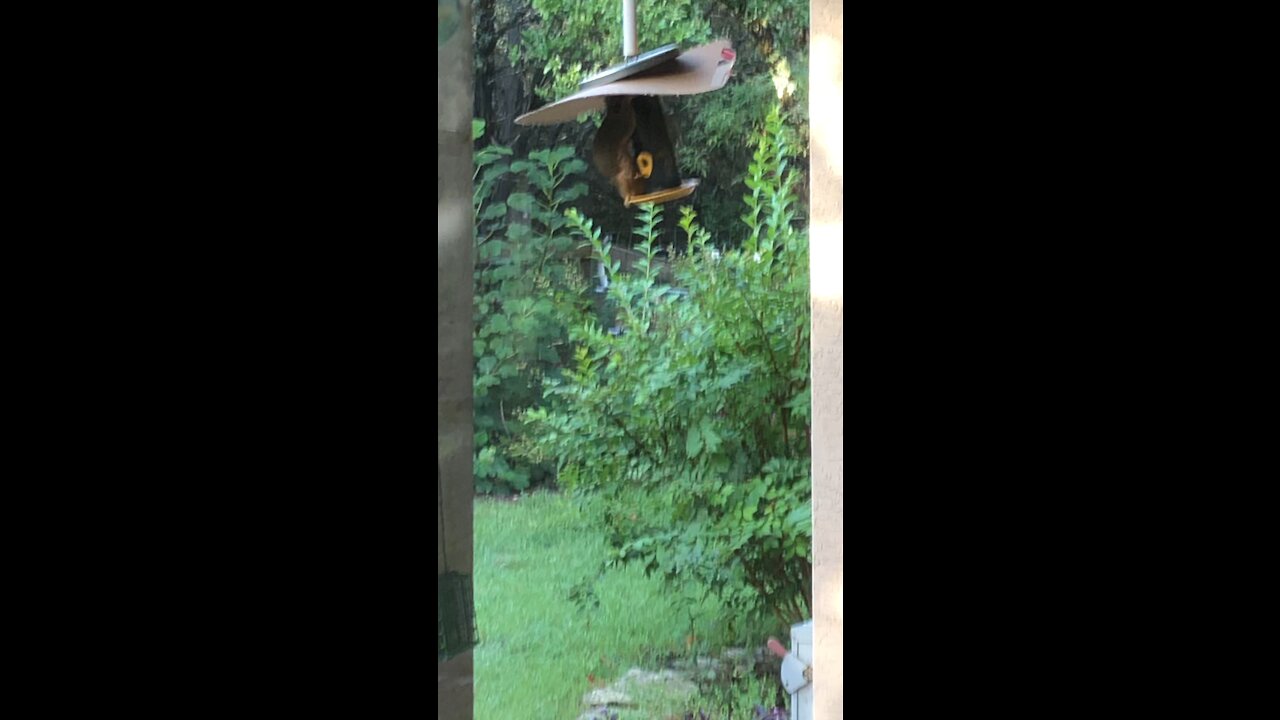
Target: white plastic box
column 802, row 646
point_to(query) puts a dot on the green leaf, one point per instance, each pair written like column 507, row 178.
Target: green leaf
column 801, row 516
column 693, row 442
column 497, row 324
column 494, row 211
column 709, row 436
column 493, row 172
column 518, row 232
column 520, row 201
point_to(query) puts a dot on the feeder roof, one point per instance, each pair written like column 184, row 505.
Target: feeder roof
column 698, row 70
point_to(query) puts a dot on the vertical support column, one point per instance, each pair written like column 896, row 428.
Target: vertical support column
column 630, row 45
column 454, row 266
column 826, row 253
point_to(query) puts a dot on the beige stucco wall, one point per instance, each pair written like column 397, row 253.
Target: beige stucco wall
column 826, row 252
column 454, row 264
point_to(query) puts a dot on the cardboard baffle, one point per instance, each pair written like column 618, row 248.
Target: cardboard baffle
column 633, row 147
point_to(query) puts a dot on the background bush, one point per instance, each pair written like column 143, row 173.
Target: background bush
column 685, row 429
column 527, row 290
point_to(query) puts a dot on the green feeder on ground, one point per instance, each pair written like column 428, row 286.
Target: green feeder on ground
column 455, row 609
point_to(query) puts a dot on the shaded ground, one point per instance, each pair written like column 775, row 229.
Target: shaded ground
column 723, row 687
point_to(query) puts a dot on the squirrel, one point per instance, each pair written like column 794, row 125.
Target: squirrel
column 611, row 151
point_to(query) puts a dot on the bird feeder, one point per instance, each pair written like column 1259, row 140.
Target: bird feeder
column 633, row 147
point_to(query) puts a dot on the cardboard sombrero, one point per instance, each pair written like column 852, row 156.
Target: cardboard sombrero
column 641, row 83
column 697, row 70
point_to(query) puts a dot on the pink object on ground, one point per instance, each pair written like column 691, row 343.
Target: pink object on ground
column 776, row 647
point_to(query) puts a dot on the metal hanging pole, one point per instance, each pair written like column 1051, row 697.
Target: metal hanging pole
column 630, row 47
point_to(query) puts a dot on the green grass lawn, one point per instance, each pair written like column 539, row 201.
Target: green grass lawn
column 537, row 648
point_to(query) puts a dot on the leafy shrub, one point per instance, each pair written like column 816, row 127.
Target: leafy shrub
column 686, row 426
column 526, row 290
